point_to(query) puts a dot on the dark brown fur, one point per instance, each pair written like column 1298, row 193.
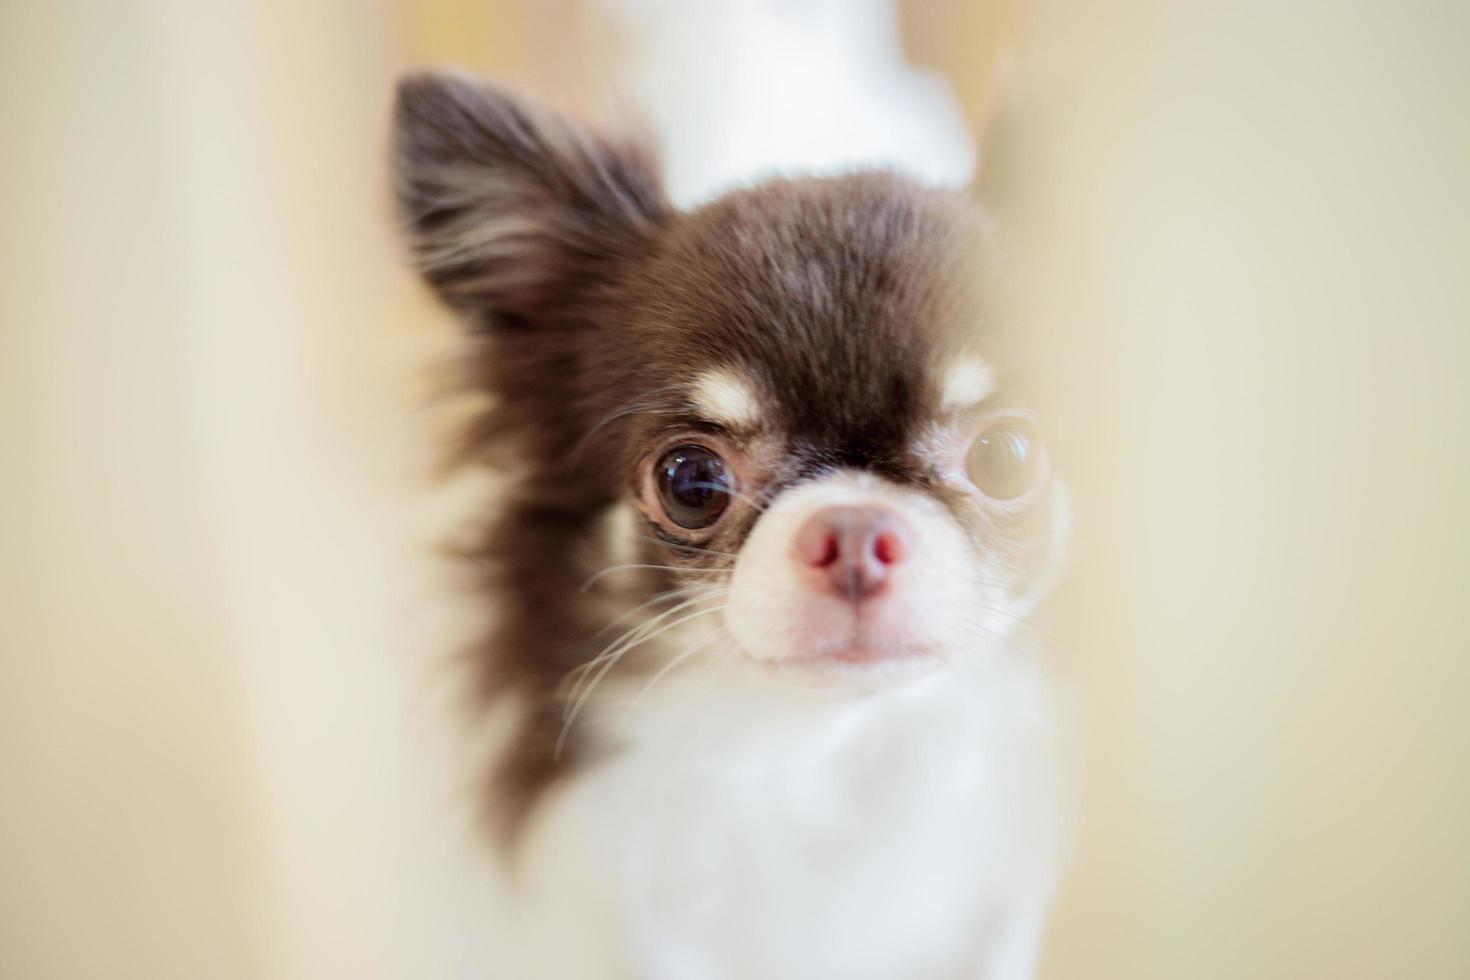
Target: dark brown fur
column 593, row 304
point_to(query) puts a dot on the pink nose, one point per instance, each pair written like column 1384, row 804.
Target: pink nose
column 851, row 551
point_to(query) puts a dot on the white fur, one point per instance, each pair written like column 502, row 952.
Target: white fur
column 757, row 819
column 723, row 396
column 967, row 383
column 621, row 534
column 747, row 828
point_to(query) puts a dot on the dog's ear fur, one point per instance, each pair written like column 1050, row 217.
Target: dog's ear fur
column 528, row 224
column 513, row 212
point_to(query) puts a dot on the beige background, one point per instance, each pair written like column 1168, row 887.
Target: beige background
column 1242, row 235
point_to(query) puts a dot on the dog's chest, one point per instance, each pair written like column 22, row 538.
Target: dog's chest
column 885, row 836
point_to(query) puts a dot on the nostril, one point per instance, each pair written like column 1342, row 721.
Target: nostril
column 828, row 552
column 888, row 548
column 817, row 545
column 852, row 551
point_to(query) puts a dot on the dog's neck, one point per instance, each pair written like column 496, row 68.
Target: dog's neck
column 915, row 821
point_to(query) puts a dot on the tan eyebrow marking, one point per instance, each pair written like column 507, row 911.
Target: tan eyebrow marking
column 967, row 383
column 723, row 396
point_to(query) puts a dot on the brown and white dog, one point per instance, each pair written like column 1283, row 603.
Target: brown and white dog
column 762, row 583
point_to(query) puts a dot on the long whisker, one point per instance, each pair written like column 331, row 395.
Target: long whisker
column 757, row 503
column 998, row 643
column 631, row 633
column 647, row 405
column 693, row 590
column 634, row 636
column 689, row 547
column 666, row 669
column 620, row 568
column 990, row 607
column 576, row 710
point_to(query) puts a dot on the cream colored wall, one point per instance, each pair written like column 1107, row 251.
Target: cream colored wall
column 128, row 792
column 1246, row 227
column 1242, row 232
column 221, row 697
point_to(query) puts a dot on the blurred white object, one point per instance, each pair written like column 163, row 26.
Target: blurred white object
column 742, row 89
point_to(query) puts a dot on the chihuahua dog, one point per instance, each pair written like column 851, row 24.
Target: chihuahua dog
column 776, row 523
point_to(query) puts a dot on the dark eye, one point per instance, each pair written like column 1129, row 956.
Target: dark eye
column 693, row 486
column 1007, row 459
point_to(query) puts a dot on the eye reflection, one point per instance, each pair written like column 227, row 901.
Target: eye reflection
column 1006, row 459
column 693, row 486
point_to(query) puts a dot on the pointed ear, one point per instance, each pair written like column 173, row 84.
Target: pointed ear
column 511, row 210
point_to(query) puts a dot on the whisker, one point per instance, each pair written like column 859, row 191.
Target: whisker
column 998, row 643
column 576, row 709
column 633, row 635
column 989, row 606
column 619, row 568
column 689, row 547
column 666, row 669
column 696, row 591
column 647, row 405
column 760, row 505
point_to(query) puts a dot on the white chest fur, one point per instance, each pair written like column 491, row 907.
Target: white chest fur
column 743, row 828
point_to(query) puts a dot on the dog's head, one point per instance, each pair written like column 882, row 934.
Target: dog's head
column 793, row 388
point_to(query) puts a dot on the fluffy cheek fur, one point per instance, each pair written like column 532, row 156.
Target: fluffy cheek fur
column 949, row 600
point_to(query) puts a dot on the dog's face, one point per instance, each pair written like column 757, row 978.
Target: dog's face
column 821, row 418
column 792, row 388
